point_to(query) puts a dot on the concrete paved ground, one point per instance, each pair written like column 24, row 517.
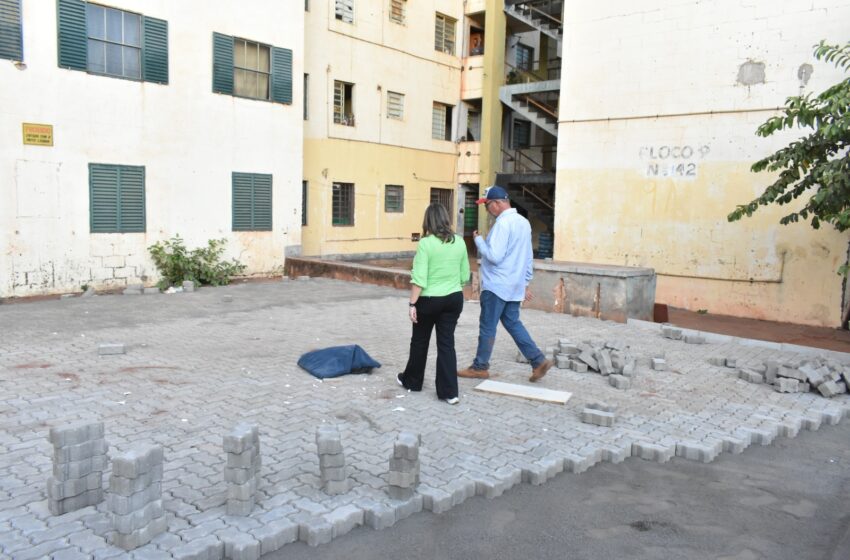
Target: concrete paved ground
column 197, row 365
column 787, row 501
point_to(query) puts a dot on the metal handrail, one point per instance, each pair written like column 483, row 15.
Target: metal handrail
column 526, row 190
column 542, row 106
column 529, row 73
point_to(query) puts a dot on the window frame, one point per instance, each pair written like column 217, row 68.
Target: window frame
column 342, row 217
column 443, row 196
column 253, row 226
column 339, row 115
column 446, row 124
column 258, row 72
column 442, row 25
column 520, row 59
column 523, row 140
column 397, row 205
column 138, row 48
column 399, row 104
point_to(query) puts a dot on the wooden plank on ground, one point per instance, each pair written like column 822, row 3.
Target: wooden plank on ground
column 524, row 391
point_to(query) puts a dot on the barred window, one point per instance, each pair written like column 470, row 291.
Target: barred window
column 394, row 198
column 342, row 213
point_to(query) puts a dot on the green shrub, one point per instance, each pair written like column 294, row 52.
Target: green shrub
column 175, row 263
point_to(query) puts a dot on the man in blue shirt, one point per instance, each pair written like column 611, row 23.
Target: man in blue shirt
column 505, row 271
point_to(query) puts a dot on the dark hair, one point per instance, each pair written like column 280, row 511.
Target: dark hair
column 436, row 222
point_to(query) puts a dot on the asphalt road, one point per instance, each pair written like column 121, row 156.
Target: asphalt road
column 789, row 500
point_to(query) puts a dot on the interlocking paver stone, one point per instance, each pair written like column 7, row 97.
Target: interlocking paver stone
column 199, row 368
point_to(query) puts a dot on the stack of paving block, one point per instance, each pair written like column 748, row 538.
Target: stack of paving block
column 611, row 358
column 79, row 459
column 135, row 497
column 599, row 414
column 331, row 460
column 827, row 377
column 242, row 471
column 404, row 466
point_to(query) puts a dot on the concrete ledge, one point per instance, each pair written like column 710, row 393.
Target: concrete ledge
column 355, row 272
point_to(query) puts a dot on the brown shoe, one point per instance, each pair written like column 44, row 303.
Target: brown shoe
column 538, row 372
column 473, row 373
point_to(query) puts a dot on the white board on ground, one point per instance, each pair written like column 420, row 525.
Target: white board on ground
column 524, row 391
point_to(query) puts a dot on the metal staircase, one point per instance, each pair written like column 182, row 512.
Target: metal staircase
column 538, row 15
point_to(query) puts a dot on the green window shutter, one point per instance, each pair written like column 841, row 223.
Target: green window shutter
column 222, row 63
column 252, row 202
column 155, row 50
column 281, row 75
column 73, row 40
column 131, row 199
column 11, row 41
column 103, row 198
column 243, row 194
column 262, row 203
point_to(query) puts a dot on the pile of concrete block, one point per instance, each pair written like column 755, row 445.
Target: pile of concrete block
column 242, row 470
column 677, row 334
column 331, row 460
column 79, row 459
column 826, row 377
column 135, row 497
column 404, row 466
column 610, row 358
column 599, row 414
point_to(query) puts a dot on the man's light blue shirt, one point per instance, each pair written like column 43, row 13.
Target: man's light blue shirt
column 506, row 259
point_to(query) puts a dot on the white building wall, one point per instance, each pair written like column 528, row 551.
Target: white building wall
column 188, row 138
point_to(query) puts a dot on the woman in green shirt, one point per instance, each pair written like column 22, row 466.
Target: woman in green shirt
column 440, row 268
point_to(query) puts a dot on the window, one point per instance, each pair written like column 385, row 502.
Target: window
column 444, row 197
column 342, row 213
column 116, row 198
column 249, row 69
column 444, row 34
column 303, row 203
column 11, row 38
column 306, row 89
column 111, row 42
column 522, row 134
column 395, row 105
column 343, row 103
column 441, row 121
column 524, row 57
column 394, row 198
column 344, row 10
column 397, row 10
column 252, row 202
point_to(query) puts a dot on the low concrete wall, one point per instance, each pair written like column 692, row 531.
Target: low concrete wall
column 614, row 293
column 305, row 266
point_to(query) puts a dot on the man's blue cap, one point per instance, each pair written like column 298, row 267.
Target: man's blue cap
column 493, row 193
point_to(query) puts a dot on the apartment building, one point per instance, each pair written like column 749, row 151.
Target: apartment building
column 128, row 122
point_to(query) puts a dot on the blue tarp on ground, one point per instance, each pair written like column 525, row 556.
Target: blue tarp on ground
column 336, row 361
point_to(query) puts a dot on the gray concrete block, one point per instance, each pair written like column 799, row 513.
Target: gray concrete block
column 717, row 361
column 328, row 440
column 659, row 364
column 244, row 461
column 240, row 508
column 376, row 515
column 151, row 291
column 791, row 373
column 435, row 500
column 239, row 476
column 619, row 381
column 587, row 358
column 615, row 455
column 137, row 461
column 137, row 519
column 830, row 389
column 80, row 452
column 204, row 548
column 333, row 473
column 122, row 505
column 599, row 405
column 242, row 492
column 124, row 486
column 402, row 479
column 110, row 349
column 750, row 376
column 578, row 366
column 786, row 385
column 597, row 417
column 139, row 537
column 79, row 469
column 315, row 531
column 603, row 360
column 653, row 452
column 406, row 446
column 240, row 546
column 59, row 490
column 403, row 465
column 188, row 286
column 696, row 451
column 74, row 503
column 398, row 493
column 730, row 362
column 672, row 333
column 344, row 519
column 75, row 433
column 335, row 487
column 562, row 361
column 331, row 460
column 408, row 507
column 133, row 291
column 694, row 339
column 243, row 437
column 567, row 347
column 275, row 535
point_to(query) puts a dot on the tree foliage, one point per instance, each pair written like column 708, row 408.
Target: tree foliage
column 819, row 161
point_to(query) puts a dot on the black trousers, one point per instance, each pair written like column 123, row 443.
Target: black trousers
column 441, row 312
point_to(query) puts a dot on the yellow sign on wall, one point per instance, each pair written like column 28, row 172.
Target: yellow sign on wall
column 38, row 134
